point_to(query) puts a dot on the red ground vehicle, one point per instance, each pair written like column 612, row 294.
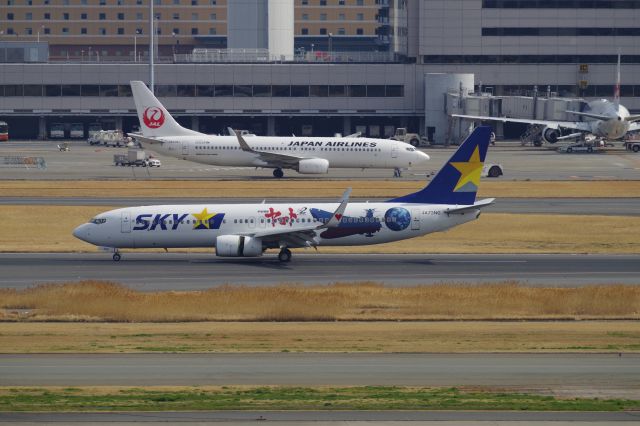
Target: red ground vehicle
column 4, row 131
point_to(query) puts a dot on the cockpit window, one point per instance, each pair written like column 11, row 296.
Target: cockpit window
column 410, row 149
column 97, row 221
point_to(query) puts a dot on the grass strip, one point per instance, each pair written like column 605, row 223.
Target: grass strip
column 105, row 301
column 352, row 336
column 48, row 229
column 302, row 188
column 292, row 398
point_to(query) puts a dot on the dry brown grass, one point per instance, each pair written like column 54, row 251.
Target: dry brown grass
column 302, row 188
column 103, row 301
column 48, row 229
column 389, row 336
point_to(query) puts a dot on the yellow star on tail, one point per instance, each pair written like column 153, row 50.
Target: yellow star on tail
column 202, row 219
column 470, row 171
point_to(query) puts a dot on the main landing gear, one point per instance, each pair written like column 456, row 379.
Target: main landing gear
column 397, row 173
column 278, row 173
column 284, row 255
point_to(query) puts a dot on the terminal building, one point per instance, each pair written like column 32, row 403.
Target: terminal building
column 336, row 81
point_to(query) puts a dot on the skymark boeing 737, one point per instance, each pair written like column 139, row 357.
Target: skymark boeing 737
column 308, row 155
column 248, row 230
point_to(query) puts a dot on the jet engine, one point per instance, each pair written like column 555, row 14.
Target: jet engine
column 238, row 246
column 313, row 166
column 550, row 135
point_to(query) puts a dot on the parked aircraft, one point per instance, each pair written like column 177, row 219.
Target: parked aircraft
column 609, row 120
column 247, row 230
column 307, row 155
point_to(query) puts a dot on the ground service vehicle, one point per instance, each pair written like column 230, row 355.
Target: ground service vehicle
column 134, row 157
column 411, row 138
column 632, row 146
column 578, row 147
column 4, row 131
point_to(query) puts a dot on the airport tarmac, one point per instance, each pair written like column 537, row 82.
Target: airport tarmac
column 580, row 206
column 520, row 163
column 194, row 271
column 333, row 418
column 585, row 375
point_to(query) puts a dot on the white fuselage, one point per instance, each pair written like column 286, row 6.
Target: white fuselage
column 176, row 226
column 614, row 128
column 339, row 152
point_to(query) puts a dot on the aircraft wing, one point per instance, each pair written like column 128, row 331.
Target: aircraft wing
column 575, row 125
column 306, row 236
column 634, row 127
column 271, row 158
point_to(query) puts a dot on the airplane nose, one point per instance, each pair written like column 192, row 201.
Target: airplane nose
column 81, row 232
column 422, row 157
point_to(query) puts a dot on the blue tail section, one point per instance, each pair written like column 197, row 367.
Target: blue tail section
column 457, row 182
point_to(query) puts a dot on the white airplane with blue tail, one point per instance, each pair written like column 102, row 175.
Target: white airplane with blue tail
column 248, row 230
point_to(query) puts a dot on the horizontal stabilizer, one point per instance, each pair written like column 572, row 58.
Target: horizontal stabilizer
column 571, row 136
column 145, row 140
column 480, row 204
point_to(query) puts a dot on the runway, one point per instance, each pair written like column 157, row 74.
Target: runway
column 579, row 206
column 190, row 271
column 324, row 418
column 567, row 374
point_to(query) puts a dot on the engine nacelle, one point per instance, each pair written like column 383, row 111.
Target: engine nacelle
column 313, row 166
column 550, row 135
column 238, row 246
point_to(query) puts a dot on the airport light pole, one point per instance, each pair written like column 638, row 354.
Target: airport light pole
column 151, row 47
column 41, row 28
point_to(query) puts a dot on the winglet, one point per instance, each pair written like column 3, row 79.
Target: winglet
column 243, row 144
column 336, row 217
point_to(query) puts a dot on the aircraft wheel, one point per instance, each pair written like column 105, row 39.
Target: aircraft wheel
column 636, row 148
column 494, row 171
column 116, row 257
column 415, row 142
column 590, row 149
column 569, row 150
column 284, row 255
column 278, row 173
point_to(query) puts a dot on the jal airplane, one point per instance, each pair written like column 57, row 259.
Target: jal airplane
column 248, row 230
column 307, row 155
column 609, row 120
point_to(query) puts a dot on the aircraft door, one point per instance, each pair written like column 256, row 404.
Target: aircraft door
column 415, row 219
column 394, row 152
column 125, row 222
column 252, row 223
column 185, row 148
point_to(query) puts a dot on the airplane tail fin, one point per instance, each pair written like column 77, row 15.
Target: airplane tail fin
column 155, row 120
column 457, row 181
column 616, row 90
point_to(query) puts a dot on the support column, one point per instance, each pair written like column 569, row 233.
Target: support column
column 42, row 128
column 119, row 123
column 195, row 123
column 422, row 130
column 499, row 129
column 346, row 125
column 271, row 126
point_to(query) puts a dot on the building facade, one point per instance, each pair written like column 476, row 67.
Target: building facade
column 512, row 47
column 109, row 28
